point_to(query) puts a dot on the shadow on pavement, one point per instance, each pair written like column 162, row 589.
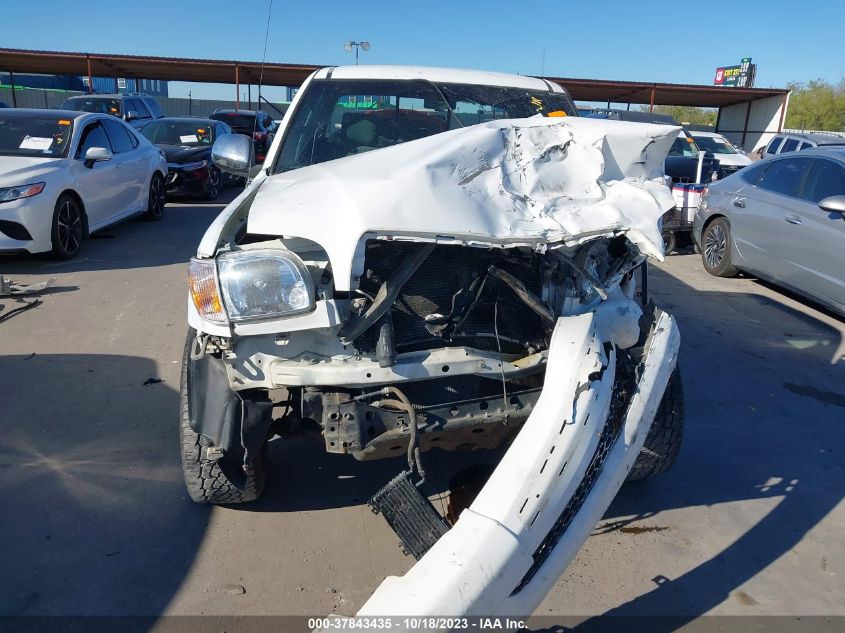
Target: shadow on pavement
column 764, row 420
column 95, row 518
column 172, row 240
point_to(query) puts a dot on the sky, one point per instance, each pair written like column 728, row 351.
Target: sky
column 642, row 40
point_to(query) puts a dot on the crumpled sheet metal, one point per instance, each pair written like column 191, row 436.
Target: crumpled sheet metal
column 537, row 182
column 479, row 567
column 9, row 287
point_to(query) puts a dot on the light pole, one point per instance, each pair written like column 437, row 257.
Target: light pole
column 362, row 45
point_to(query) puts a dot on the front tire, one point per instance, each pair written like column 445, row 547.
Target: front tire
column 663, row 441
column 670, row 242
column 156, row 199
column 204, row 479
column 67, row 228
column 716, row 246
column 213, row 185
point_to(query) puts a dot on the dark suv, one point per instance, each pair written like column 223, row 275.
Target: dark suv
column 255, row 123
column 136, row 109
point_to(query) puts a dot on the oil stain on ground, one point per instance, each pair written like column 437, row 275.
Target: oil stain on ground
column 642, row 529
column 744, row 598
column 827, row 397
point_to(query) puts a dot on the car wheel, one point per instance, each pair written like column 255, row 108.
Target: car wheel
column 663, row 441
column 156, row 199
column 214, row 184
column 669, row 242
column 716, row 249
column 67, row 230
column 205, row 480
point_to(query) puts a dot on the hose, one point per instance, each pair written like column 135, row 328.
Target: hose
column 402, row 403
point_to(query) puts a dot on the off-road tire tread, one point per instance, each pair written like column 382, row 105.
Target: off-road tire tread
column 204, row 480
column 663, row 441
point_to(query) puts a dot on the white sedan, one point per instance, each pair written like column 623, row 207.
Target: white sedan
column 64, row 175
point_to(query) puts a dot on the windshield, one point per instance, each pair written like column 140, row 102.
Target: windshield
column 38, row 136
column 100, row 105
column 178, row 133
column 238, row 121
column 684, row 146
column 715, row 144
column 338, row 118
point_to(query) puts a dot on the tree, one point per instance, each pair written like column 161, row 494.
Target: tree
column 687, row 114
column 816, row 105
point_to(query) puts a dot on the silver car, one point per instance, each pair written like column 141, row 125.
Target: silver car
column 65, row 175
column 783, row 220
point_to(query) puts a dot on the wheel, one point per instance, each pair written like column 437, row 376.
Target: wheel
column 156, row 199
column 669, row 242
column 664, row 438
column 67, row 230
column 204, row 479
column 716, row 249
column 214, row 184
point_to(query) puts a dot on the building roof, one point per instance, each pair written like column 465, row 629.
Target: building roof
column 276, row 74
column 664, row 93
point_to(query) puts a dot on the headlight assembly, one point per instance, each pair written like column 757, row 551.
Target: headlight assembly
column 194, row 166
column 24, row 191
column 264, row 284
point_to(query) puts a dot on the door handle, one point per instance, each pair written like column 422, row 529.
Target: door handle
column 739, row 203
column 793, row 219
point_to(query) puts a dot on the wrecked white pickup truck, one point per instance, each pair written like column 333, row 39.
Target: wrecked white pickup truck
column 448, row 259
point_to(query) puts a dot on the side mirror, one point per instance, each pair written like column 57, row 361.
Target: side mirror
column 131, row 115
column 232, row 153
column 97, row 154
column 833, row 204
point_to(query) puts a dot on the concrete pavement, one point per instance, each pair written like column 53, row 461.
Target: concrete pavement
column 95, row 518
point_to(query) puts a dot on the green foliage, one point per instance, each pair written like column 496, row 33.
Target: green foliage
column 816, row 105
column 687, row 114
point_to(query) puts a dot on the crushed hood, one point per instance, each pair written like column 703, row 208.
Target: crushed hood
column 538, row 182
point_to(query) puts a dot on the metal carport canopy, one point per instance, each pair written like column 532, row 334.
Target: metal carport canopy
column 662, row 93
column 275, row 74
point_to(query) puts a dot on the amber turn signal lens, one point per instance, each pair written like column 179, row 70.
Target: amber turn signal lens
column 202, row 281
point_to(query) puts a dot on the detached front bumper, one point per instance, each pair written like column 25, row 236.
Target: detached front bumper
column 551, row 488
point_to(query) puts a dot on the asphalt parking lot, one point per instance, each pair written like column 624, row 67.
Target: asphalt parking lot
column 96, row 520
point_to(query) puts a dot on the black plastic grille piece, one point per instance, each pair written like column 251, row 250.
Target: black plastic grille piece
column 14, row 230
column 410, row 514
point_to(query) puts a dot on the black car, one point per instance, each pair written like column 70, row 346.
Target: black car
column 134, row 108
column 186, row 143
column 255, row 123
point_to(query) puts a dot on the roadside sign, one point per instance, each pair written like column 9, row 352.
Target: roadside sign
column 738, row 76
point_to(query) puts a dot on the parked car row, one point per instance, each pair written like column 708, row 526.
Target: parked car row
column 795, row 142
column 185, row 176
column 101, row 158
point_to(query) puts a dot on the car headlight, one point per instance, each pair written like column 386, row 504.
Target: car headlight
column 263, row 284
column 194, row 166
column 24, row 191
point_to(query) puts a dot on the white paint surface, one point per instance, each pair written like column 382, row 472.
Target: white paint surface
column 536, row 182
